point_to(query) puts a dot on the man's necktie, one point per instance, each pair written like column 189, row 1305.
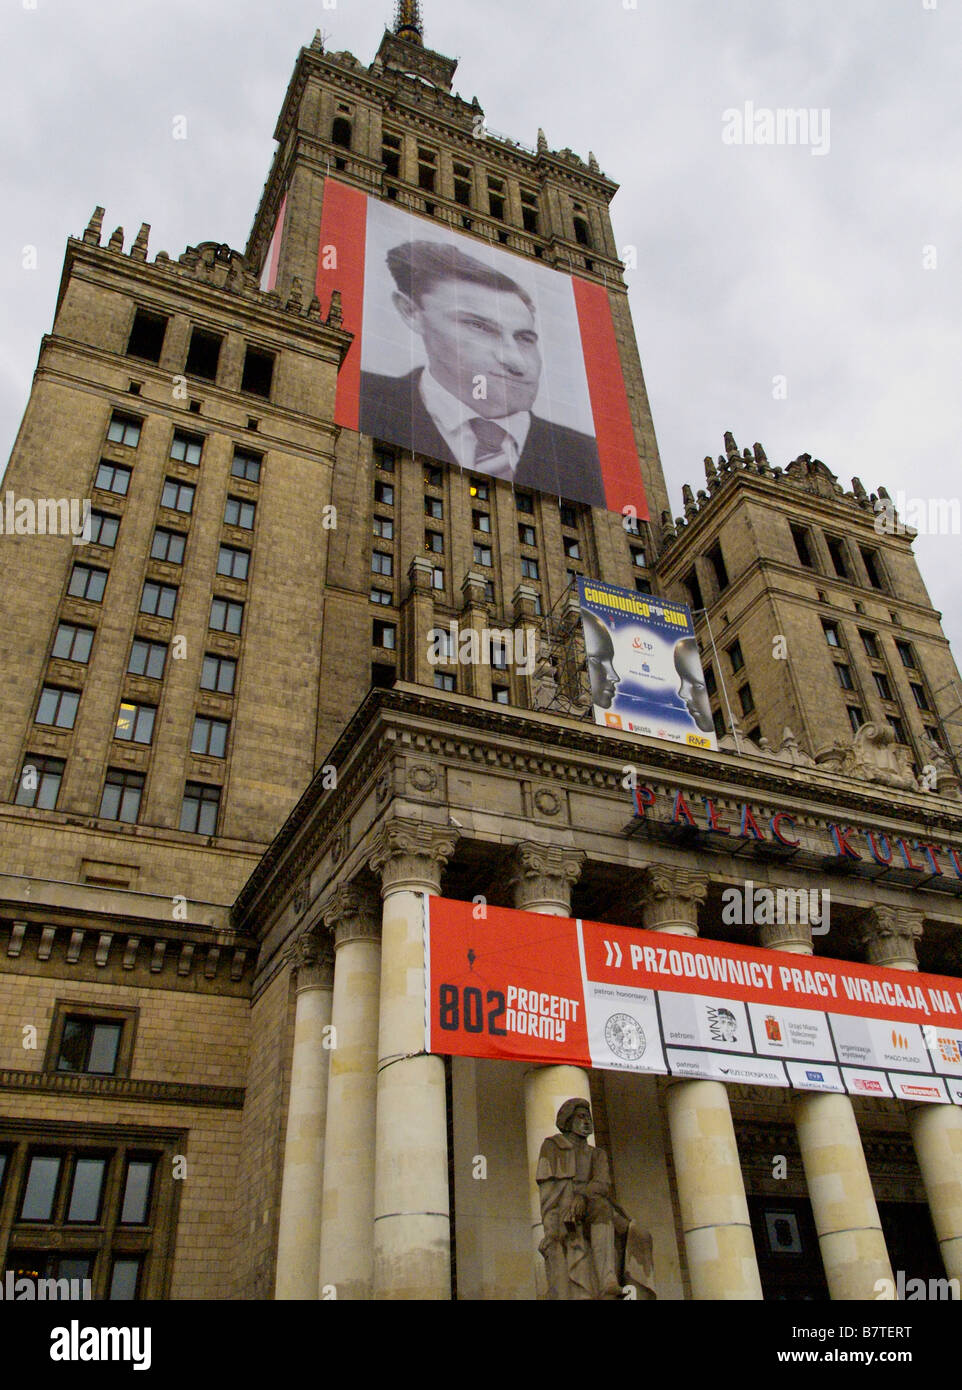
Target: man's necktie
column 492, row 444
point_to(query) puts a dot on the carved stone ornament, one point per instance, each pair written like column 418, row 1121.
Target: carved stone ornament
column 543, row 874
column 353, row 913
column 313, row 955
column 411, row 854
column 591, row 1247
column 423, row 779
column 301, row 895
column 547, row 802
column 671, row 896
column 382, row 788
column 874, row 756
column 889, row 935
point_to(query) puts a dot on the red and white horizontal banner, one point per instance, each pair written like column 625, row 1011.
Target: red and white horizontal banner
column 522, row 986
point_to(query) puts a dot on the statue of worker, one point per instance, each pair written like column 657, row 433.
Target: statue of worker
column 591, row 1247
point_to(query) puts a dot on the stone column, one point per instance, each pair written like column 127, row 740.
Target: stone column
column 541, row 877
column 299, row 1225
column 711, row 1193
column 412, row 1237
column 474, row 677
column 850, row 1236
column 347, row 1235
column 889, row 936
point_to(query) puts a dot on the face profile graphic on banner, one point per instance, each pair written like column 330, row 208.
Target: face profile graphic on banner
column 473, row 355
column 644, row 668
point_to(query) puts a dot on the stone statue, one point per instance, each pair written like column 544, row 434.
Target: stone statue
column 592, row 1249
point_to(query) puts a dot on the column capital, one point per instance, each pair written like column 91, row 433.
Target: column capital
column 353, row 913
column 889, row 934
column 541, row 876
column 786, row 936
column 313, row 957
column 670, row 897
column 411, row 854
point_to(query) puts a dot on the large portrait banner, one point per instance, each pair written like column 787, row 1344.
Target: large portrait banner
column 521, row 986
column 470, row 354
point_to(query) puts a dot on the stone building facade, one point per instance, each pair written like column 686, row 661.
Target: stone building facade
column 231, row 773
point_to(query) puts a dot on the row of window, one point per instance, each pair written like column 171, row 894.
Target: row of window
column 159, row 600
column 42, row 777
column 146, row 342
column 135, row 722
column 147, row 658
column 840, row 556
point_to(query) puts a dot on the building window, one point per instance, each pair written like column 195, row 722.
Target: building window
column 499, row 655
column 836, row 550
column 186, row 448
column 124, row 429
column 384, row 635
column 693, row 589
column 122, row 794
column 711, row 685
column 200, row 808
column 39, row 784
column 147, row 659
column 529, row 211
column 443, row 680
column 855, row 717
column 427, row 174
column 747, row 699
column 481, row 521
column 639, row 558
column 209, row 738
column 844, row 674
column 384, row 527
column 718, row 719
column 218, row 673
column 74, row 643
column 239, row 513
column 382, row 596
column 135, row 723
column 434, row 540
column 147, row 335
column 103, row 529
column 870, row 643
column 178, row 497
column 582, row 235
column 802, row 546
column 168, row 546
column 203, row 355
column 529, row 568
column 898, row 729
column 233, row 563
column 906, row 655
column 934, row 734
column 113, row 477
column 462, row 185
column 159, row 600
column 382, row 563
column 735, row 656
column 717, row 562
column 873, row 567
column 88, row 1044
column 384, row 494
column 882, row 685
column 538, row 606
column 496, row 197
column 527, row 535
column 501, row 694
column 246, row 465
column 258, row 376
column 569, row 515
column 482, row 555
column 437, row 579
column 433, row 476
column 226, row 615
column 918, row 694
column 391, row 154
column 384, row 458
column 58, row 707
column 434, row 508
column 489, row 591
column 572, row 548
column 831, row 633
column 524, row 503
column 341, row 133
column 643, row 586
column 479, row 490
column 87, row 582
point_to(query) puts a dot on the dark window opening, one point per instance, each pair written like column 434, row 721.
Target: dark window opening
column 694, row 590
column 258, row 375
column 341, row 133
column 801, row 538
column 839, row 562
column 870, row 559
column 147, row 336
column 717, row 562
column 383, row 676
column 582, row 235
column 203, row 355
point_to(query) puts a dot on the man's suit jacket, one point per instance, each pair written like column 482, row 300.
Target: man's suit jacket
column 554, row 459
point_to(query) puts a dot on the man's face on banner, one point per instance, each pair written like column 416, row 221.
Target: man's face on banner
column 692, row 684
column 473, row 331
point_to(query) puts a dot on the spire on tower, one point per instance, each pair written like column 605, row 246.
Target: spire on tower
column 407, row 21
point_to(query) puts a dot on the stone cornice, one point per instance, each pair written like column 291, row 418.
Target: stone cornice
column 122, row 1088
column 565, row 750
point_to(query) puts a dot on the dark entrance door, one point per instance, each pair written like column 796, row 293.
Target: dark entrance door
column 786, row 1246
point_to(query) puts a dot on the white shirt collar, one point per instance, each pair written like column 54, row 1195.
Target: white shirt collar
column 452, row 415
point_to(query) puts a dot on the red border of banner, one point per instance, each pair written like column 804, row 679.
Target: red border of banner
column 344, row 227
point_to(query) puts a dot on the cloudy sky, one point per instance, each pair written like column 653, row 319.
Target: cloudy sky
column 838, row 272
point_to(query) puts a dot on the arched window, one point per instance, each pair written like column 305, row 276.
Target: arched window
column 582, row 235
column 341, row 133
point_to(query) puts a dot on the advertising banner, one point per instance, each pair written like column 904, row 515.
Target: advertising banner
column 469, row 354
column 530, row 988
column 644, row 666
